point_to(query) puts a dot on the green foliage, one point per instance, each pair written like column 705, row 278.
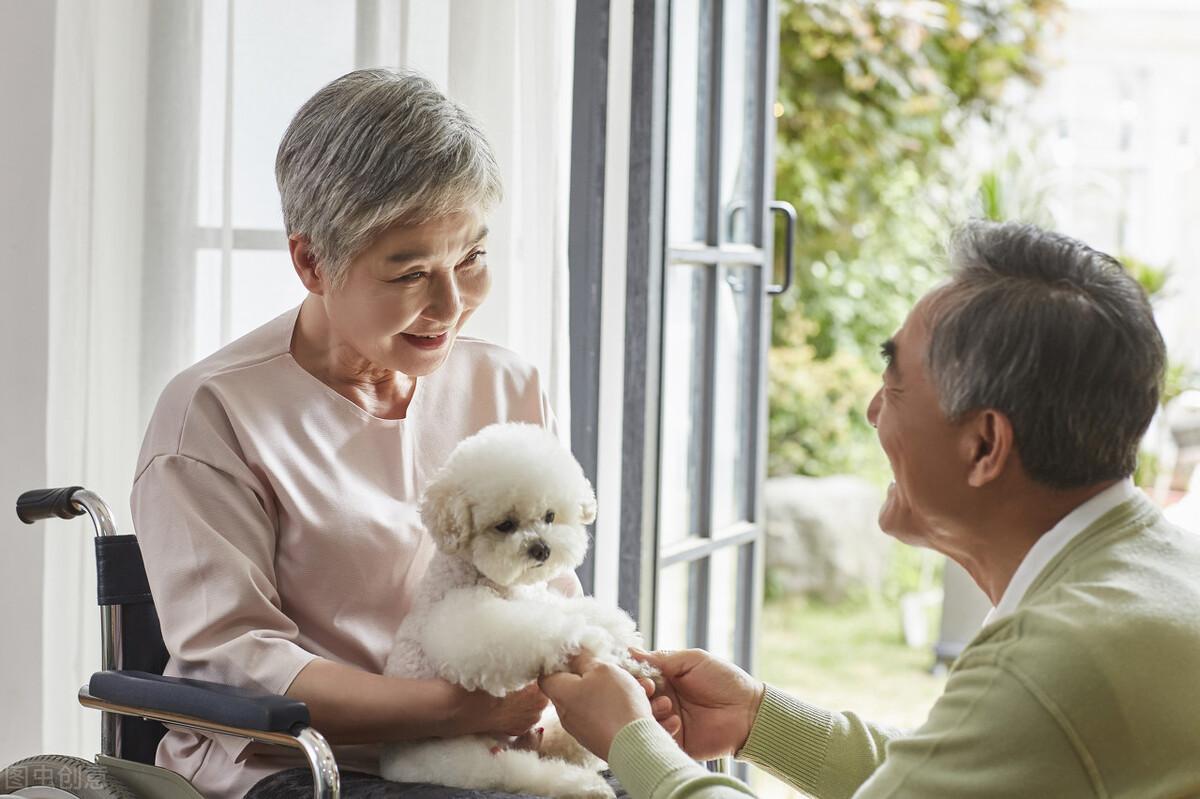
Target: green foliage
column 1178, row 379
column 1153, row 279
column 818, row 424
column 874, row 96
column 991, row 197
column 911, row 569
column 1147, row 469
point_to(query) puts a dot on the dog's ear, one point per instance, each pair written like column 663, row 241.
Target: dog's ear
column 587, row 510
column 447, row 515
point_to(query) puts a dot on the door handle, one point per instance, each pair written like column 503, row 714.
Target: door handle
column 789, row 252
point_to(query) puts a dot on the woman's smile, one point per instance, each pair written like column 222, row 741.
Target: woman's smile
column 427, row 342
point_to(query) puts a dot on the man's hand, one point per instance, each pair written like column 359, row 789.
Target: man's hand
column 596, row 700
column 715, row 700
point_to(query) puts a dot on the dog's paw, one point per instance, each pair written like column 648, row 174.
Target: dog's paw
column 584, row 638
column 597, row 641
column 640, row 668
column 556, row 660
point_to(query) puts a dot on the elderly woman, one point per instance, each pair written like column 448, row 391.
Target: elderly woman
column 275, row 495
column 1012, row 407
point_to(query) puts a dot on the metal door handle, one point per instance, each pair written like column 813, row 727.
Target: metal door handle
column 789, row 252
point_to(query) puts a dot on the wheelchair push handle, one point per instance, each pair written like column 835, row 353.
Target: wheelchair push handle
column 48, row 503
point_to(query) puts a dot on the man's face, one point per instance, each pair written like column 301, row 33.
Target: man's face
column 921, row 445
column 407, row 295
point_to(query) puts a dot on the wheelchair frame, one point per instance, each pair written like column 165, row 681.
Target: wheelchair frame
column 195, row 704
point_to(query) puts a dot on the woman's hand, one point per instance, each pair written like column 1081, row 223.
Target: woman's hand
column 715, row 700
column 515, row 714
column 596, row 700
column 352, row 706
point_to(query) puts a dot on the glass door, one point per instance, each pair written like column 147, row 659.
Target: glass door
column 719, row 92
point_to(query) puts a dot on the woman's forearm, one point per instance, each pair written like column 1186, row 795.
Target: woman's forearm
column 350, row 706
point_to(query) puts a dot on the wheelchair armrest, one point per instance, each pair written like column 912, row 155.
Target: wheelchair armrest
column 204, row 701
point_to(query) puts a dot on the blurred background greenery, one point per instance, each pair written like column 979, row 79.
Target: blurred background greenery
column 897, row 119
column 874, row 99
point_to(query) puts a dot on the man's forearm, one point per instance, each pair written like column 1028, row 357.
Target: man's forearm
column 828, row 755
column 650, row 765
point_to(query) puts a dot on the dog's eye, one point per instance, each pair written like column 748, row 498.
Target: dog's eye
column 506, row 526
column 549, row 517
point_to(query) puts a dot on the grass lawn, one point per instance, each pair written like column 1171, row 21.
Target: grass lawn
column 845, row 657
column 848, row 657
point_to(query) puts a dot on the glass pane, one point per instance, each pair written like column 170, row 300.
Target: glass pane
column 740, row 112
column 723, row 590
column 206, row 310
column 211, row 149
column 682, row 395
column 263, row 286
column 284, row 51
column 687, row 125
column 675, row 606
column 734, row 414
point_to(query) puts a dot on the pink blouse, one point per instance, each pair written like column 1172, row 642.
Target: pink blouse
column 278, row 522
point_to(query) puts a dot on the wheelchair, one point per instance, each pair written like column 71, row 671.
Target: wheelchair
column 135, row 700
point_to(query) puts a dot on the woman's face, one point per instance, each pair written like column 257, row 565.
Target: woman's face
column 405, row 297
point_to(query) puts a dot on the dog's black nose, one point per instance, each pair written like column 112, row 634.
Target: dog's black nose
column 539, row 551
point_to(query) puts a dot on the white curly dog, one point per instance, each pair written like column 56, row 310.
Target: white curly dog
column 507, row 512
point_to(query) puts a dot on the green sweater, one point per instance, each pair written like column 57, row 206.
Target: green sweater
column 1091, row 688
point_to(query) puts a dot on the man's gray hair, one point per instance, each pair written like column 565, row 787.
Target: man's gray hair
column 1059, row 338
column 374, row 148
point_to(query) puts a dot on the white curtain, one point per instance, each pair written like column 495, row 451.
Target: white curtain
column 521, row 94
column 166, row 240
column 97, row 178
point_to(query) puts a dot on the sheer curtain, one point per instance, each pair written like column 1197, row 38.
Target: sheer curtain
column 96, row 228
column 166, row 238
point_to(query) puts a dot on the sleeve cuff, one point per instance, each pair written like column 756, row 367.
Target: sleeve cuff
column 789, row 739
column 643, row 756
column 235, row 747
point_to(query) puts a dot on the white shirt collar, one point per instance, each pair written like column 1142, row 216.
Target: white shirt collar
column 1054, row 541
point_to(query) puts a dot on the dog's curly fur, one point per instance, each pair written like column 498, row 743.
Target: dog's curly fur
column 508, row 513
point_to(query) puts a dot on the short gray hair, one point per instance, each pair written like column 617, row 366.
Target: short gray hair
column 1059, row 338
column 373, row 148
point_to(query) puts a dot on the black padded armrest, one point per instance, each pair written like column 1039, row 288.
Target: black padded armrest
column 205, row 701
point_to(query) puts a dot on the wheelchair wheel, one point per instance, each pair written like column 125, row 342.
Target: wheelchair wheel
column 61, row 777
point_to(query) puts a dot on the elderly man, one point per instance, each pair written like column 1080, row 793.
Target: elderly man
column 1011, row 409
